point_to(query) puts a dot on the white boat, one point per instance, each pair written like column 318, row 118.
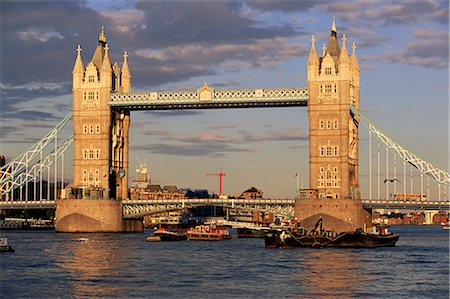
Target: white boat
column 4, row 246
column 445, row 225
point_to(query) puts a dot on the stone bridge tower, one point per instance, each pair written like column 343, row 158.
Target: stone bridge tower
column 100, row 163
column 333, row 84
column 100, row 134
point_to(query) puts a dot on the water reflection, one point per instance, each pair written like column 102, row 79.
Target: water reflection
column 331, row 272
column 93, row 262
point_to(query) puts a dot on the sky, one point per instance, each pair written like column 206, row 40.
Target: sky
column 402, row 47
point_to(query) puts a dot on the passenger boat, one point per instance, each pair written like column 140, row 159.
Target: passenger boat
column 299, row 237
column 208, row 233
column 252, row 232
column 169, row 235
column 445, row 225
column 4, row 246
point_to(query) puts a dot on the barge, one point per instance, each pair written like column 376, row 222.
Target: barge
column 297, row 236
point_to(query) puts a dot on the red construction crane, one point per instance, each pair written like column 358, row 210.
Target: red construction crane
column 220, row 174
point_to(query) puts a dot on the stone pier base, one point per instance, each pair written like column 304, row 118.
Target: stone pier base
column 337, row 214
column 88, row 215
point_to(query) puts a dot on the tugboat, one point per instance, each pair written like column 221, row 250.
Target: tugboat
column 162, row 234
column 4, row 246
column 208, row 233
column 318, row 238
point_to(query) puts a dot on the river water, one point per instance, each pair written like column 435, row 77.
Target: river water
column 55, row 265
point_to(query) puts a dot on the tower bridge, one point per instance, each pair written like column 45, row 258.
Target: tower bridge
column 101, row 106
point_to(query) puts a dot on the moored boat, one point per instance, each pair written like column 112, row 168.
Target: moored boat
column 300, row 237
column 252, row 232
column 169, row 235
column 4, row 246
column 208, row 233
column 445, row 225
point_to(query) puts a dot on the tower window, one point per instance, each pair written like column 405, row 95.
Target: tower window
column 91, row 96
column 91, row 78
column 328, row 71
column 328, row 88
column 322, row 124
column 328, row 151
column 335, row 124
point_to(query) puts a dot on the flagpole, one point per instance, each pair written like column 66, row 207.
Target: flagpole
column 298, row 186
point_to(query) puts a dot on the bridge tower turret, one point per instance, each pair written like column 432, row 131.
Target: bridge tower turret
column 333, row 84
column 100, row 145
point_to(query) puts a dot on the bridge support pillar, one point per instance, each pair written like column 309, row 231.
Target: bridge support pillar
column 338, row 215
column 429, row 216
column 88, row 215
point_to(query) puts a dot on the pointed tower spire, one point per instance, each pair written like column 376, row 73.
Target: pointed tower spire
column 106, row 63
column 78, row 67
column 353, row 58
column 343, row 57
column 78, row 70
column 102, row 36
column 97, row 58
column 333, row 25
column 333, row 47
column 125, row 76
column 106, row 69
column 312, row 59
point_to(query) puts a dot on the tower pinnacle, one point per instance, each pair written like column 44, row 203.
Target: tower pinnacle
column 102, row 36
column 333, row 25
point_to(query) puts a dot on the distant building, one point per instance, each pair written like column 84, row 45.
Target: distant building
column 251, row 193
column 156, row 192
column 197, row 193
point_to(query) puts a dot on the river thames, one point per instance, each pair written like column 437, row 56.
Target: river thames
column 49, row 265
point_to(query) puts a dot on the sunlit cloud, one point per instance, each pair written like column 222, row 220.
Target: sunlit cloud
column 42, row 34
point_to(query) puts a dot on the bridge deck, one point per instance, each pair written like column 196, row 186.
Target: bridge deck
column 278, row 205
column 209, row 98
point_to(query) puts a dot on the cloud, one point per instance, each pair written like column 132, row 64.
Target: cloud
column 33, row 86
column 125, row 19
column 430, row 49
column 209, row 149
column 364, row 13
column 277, row 135
column 286, row 6
column 39, row 34
column 28, row 115
column 259, row 53
column 9, row 131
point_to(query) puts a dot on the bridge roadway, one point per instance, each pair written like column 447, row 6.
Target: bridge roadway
column 138, row 208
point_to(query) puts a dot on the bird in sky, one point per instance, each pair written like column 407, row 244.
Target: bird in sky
column 391, row 180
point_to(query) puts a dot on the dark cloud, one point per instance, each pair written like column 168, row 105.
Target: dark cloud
column 28, row 115
column 283, row 5
column 362, row 13
column 279, row 135
column 430, row 49
column 209, row 149
column 8, row 131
